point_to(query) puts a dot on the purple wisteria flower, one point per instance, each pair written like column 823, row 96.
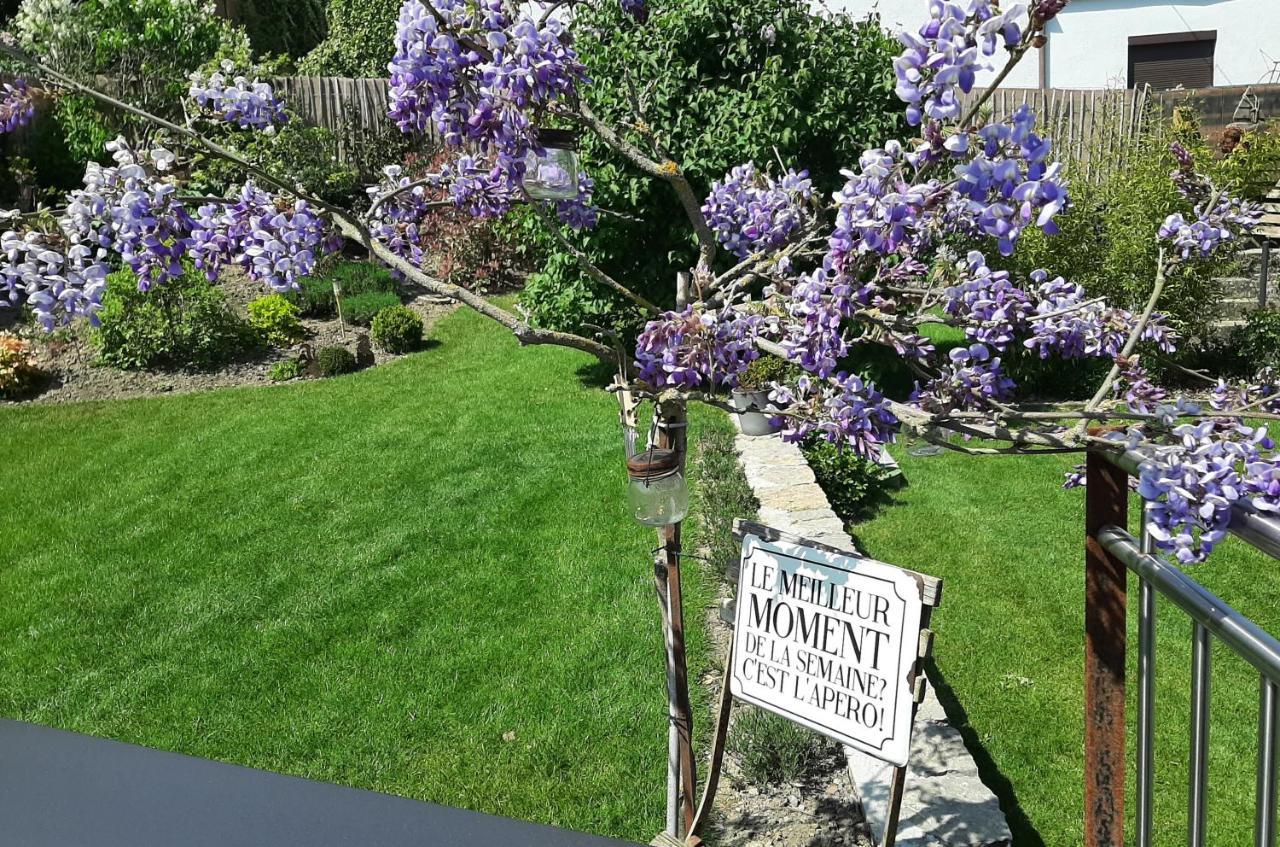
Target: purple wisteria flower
column 697, row 348
column 235, row 99
column 1069, row 324
column 971, row 379
column 751, row 212
column 1193, row 483
column 57, row 280
column 942, row 61
column 1135, row 387
column 131, row 210
column 579, row 212
column 846, row 410
column 274, row 239
column 17, row 106
column 992, row 307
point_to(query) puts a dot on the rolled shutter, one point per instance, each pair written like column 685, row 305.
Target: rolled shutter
column 1168, row 61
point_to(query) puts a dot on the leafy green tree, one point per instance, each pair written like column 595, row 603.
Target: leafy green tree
column 283, row 27
column 716, row 83
column 146, row 48
column 360, row 41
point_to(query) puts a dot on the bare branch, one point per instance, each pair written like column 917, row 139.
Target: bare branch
column 667, row 170
column 1134, row 335
column 590, row 267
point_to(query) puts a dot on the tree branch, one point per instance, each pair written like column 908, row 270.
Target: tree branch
column 347, row 222
column 667, row 170
column 590, row 267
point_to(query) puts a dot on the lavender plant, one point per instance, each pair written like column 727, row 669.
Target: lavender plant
column 780, row 271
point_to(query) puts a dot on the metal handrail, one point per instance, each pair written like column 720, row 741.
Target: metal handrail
column 1251, row 642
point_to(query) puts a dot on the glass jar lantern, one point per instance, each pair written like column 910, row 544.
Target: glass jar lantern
column 656, row 491
column 551, row 169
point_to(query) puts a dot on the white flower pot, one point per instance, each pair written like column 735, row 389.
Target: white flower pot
column 752, row 408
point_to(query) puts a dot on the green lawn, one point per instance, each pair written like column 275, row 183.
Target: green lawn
column 373, row 580
column 1009, row 543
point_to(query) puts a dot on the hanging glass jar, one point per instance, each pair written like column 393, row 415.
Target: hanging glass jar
column 656, row 489
column 551, row 173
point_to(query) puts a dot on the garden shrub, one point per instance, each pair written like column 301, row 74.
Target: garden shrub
column 313, row 297
column 1253, row 166
column 361, row 39
column 397, row 329
column 285, row 370
column 1257, row 343
column 276, row 320
column 184, row 323
column 297, row 152
column 361, row 277
column 335, row 361
column 722, row 495
column 361, row 309
column 770, row 748
column 728, row 82
column 19, row 374
column 764, row 371
column 855, row 486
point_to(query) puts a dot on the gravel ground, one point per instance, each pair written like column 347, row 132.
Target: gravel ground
column 69, row 355
column 820, row 811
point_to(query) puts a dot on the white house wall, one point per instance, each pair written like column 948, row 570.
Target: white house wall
column 1089, row 42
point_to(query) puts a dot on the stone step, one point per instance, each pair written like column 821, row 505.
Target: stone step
column 1251, row 260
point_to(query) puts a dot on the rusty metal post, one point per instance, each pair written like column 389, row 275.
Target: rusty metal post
column 1105, row 613
column 672, row 436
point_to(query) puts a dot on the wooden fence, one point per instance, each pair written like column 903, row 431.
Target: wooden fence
column 1093, row 130
column 355, row 110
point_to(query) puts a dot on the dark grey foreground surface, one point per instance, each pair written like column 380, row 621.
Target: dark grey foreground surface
column 61, row 789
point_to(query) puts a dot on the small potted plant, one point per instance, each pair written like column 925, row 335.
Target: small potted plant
column 751, row 396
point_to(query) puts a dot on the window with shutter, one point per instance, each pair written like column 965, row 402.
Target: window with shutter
column 1176, row 59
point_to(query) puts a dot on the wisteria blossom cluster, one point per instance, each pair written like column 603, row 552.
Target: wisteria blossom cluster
column 132, row 210
column 57, row 278
column 971, row 379
column 399, row 221
column 1262, row 392
column 750, row 211
column 1192, row 482
column 1216, row 216
column 17, row 106
column 943, row 60
column 1069, row 324
column 275, row 240
column 237, row 100
column 691, row 348
column 475, row 75
column 1135, row 387
column 845, row 410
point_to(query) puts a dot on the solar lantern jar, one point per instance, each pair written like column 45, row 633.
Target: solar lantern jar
column 656, row 490
column 551, row 168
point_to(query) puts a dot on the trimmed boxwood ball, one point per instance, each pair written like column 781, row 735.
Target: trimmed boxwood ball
column 335, row 361
column 397, row 329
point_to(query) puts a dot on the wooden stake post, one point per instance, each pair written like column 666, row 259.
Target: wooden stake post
column 930, row 596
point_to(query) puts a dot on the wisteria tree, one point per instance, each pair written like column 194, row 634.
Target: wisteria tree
column 781, row 271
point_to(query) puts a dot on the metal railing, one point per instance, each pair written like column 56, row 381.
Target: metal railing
column 1211, row 618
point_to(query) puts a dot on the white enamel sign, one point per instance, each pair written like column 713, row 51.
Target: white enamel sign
column 828, row 641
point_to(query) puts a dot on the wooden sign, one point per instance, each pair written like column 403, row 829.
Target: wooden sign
column 829, row 641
